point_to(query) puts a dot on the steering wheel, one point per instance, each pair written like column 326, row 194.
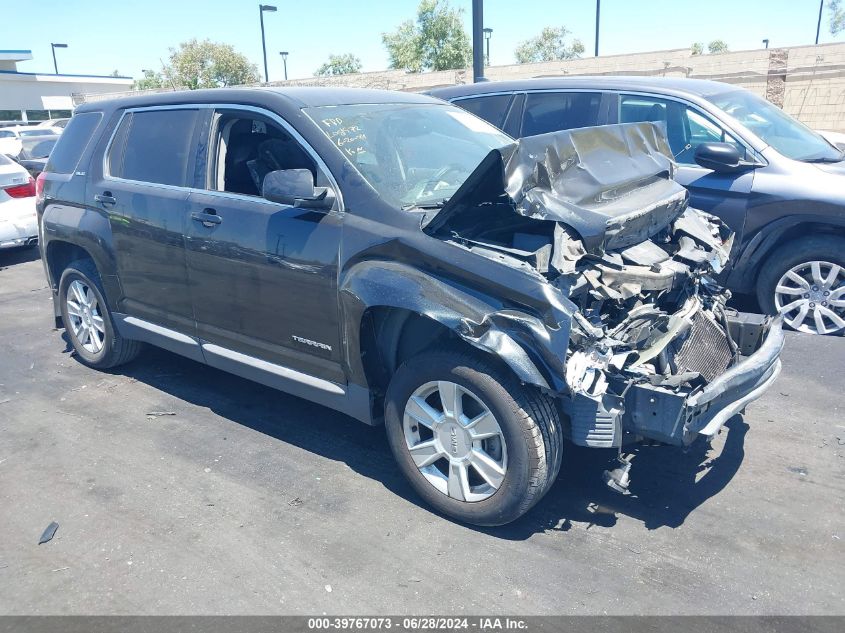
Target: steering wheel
column 438, row 177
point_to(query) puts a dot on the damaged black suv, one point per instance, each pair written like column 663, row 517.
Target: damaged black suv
column 399, row 260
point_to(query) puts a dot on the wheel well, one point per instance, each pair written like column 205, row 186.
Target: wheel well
column 390, row 336
column 792, row 234
column 59, row 254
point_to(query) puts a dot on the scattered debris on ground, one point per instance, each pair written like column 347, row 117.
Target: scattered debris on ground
column 49, row 533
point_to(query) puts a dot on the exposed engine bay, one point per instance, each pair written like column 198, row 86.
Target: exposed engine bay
column 597, row 214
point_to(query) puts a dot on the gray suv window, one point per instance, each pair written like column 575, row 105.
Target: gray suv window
column 686, row 127
column 154, row 146
column 553, row 111
column 492, row 108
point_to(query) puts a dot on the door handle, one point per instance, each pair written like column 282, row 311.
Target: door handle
column 207, row 217
column 105, row 198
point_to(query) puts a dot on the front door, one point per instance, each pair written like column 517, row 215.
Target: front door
column 263, row 275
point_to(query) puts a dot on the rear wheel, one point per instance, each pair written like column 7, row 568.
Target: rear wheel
column 87, row 320
column 473, row 441
column 805, row 282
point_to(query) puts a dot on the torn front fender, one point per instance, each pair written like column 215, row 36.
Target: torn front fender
column 533, row 350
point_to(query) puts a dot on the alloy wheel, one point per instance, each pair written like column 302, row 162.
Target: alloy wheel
column 455, row 441
column 83, row 309
column 811, row 297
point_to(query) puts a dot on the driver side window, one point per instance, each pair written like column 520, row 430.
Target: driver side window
column 246, row 147
column 686, row 127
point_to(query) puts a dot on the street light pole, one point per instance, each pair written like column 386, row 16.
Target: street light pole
column 487, row 33
column 261, row 9
column 477, row 37
column 284, row 55
column 598, row 14
column 819, row 25
column 766, row 43
column 54, row 47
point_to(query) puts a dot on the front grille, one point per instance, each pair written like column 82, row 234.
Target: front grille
column 705, row 350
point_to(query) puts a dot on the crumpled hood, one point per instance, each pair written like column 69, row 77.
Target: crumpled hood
column 612, row 184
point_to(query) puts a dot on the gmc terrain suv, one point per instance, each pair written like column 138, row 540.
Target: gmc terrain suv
column 777, row 184
column 396, row 258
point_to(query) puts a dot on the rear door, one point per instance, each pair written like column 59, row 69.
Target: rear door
column 724, row 195
column 143, row 183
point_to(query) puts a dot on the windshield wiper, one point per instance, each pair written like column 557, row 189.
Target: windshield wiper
column 826, row 159
column 433, row 204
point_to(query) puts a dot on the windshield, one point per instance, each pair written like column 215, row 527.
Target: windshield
column 774, row 126
column 34, row 132
column 412, row 154
column 37, row 147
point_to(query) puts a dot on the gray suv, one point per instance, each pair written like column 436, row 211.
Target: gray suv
column 403, row 262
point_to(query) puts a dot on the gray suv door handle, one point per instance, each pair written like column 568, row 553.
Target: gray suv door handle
column 208, row 217
column 105, row 198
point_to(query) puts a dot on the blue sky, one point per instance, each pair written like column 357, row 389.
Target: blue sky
column 128, row 36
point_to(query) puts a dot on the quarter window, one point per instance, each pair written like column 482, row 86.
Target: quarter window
column 553, row 111
column 154, row 146
column 65, row 156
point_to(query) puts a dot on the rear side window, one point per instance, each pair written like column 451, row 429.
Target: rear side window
column 153, row 146
column 553, row 111
column 492, row 109
column 65, row 156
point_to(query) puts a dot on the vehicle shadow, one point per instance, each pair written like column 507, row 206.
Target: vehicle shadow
column 667, row 483
column 14, row 256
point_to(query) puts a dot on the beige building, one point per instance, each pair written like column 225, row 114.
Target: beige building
column 808, row 82
column 31, row 97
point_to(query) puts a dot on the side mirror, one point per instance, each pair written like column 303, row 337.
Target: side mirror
column 296, row 187
column 720, row 157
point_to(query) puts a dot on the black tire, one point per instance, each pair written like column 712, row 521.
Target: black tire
column 829, row 248
column 529, row 422
column 116, row 350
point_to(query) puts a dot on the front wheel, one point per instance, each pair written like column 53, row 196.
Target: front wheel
column 474, row 442
column 805, row 282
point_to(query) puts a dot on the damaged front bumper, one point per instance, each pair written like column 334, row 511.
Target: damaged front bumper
column 678, row 416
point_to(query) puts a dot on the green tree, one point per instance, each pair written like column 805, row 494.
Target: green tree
column 436, row 41
column 550, row 45
column 150, row 80
column 717, row 46
column 837, row 17
column 206, row 64
column 340, row 65
column 714, row 47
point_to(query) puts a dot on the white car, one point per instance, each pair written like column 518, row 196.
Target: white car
column 18, row 220
column 23, row 132
column 10, row 141
column 59, row 123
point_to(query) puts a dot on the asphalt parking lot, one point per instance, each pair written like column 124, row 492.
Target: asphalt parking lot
column 246, row 500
